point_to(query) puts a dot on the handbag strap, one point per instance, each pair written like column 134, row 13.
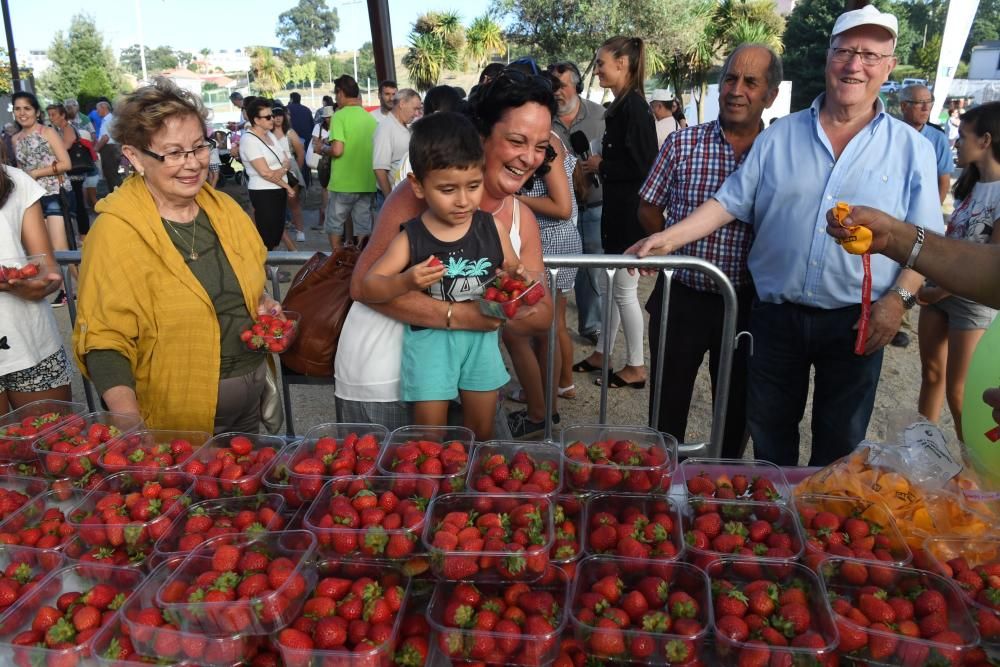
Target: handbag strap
column 266, row 146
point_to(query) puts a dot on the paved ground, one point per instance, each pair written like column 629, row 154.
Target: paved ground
column 897, row 393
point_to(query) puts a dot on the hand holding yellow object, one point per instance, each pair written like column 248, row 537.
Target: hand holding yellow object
column 861, row 237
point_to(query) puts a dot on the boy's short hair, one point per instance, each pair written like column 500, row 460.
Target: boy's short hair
column 442, row 141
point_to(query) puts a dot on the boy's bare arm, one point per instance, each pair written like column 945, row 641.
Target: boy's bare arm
column 387, row 280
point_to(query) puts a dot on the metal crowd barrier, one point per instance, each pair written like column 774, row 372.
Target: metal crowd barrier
column 611, row 264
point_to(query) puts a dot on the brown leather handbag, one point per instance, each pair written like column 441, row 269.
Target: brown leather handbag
column 321, row 293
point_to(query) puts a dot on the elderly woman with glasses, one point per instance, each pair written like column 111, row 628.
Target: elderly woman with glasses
column 172, row 272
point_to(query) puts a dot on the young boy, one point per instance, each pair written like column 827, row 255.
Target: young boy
column 452, row 251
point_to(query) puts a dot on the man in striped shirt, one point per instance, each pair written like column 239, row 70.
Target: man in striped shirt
column 692, row 164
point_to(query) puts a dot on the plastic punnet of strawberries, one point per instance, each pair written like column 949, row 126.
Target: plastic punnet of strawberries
column 153, row 450
column 72, row 448
column 54, row 623
column 16, row 491
column 253, row 516
column 21, row 570
column 441, row 453
column 375, row 517
column 567, row 522
column 655, row 614
column 271, row 333
column 12, row 269
column 241, row 584
column 232, row 464
column 633, row 527
column 974, row 565
column 505, row 295
column 707, row 479
column 893, row 615
column 334, row 450
column 41, row 523
column 770, row 613
column 347, row 619
column 489, row 536
column 746, row 529
column 849, row 528
column 516, row 467
column 627, row 460
column 20, row 428
column 499, row 623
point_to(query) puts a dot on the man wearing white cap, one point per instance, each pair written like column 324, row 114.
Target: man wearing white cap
column 665, row 123
column 844, row 147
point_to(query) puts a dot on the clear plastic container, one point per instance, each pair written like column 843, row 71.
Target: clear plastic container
column 403, row 448
column 269, row 343
column 888, row 538
column 308, row 486
column 567, row 522
column 140, row 450
column 614, row 509
column 939, row 553
column 78, row 578
column 259, row 615
column 679, row 577
column 909, row 650
column 453, row 562
column 533, row 292
column 725, row 470
column 458, row 644
column 83, row 440
column 24, row 568
column 15, row 491
column 784, row 528
column 544, row 460
column 135, row 537
column 276, row 478
column 24, row 527
column 374, row 542
column 106, row 646
column 381, row 653
column 583, row 473
column 169, row 642
column 20, row 428
column 173, row 543
column 728, row 651
column 212, row 483
column 21, row 268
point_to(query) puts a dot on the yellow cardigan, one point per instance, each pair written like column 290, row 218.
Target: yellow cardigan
column 138, row 297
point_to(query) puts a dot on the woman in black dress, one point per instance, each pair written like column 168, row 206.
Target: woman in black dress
column 627, row 154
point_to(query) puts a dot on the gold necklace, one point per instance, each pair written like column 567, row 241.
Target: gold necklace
column 194, row 230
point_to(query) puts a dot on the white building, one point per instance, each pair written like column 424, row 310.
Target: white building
column 37, row 60
column 785, row 7
column 228, row 61
column 984, row 63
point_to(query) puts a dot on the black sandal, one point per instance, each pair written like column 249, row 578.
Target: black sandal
column 585, row 367
column 617, row 382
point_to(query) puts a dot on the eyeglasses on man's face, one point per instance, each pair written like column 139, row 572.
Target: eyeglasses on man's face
column 199, row 152
column 868, row 58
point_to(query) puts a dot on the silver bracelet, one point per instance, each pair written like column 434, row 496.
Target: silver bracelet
column 918, row 245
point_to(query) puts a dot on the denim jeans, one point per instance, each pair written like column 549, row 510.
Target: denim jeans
column 789, row 341
column 588, row 281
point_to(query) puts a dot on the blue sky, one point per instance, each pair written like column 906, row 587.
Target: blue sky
column 190, row 25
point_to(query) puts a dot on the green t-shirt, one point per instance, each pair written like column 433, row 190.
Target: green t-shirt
column 352, row 171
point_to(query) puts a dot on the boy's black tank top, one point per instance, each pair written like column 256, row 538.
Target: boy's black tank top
column 470, row 263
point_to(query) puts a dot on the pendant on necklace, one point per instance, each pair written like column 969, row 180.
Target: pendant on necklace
column 193, row 255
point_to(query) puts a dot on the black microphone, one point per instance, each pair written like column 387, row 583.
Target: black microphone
column 581, row 146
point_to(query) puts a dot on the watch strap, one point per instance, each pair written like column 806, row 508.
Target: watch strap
column 918, row 245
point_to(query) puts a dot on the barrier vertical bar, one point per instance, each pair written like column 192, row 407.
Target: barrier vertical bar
column 550, row 365
column 661, row 347
column 606, row 332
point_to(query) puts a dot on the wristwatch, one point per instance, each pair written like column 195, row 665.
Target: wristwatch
column 909, row 300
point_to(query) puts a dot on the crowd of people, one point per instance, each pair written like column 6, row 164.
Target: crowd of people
column 441, row 191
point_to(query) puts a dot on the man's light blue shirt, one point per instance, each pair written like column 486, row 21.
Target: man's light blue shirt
column 942, row 149
column 790, row 179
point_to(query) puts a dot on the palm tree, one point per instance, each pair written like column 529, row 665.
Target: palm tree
column 425, row 60
column 483, row 39
column 268, row 71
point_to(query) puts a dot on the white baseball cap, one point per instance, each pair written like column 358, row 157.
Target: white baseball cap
column 867, row 15
column 661, row 95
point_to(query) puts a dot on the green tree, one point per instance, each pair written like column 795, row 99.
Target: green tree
column 268, row 71
column 72, row 55
column 483, row 40
column 157, row 60
column 6, row 81
column 436, row 44
column 555, row 29
column 307, row 27
column 925, row 58
column 986, row 26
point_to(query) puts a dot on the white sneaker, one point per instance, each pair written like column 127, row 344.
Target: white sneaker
column 300, row 236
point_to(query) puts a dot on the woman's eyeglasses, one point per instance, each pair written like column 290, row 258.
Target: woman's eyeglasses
column 179, row 157
column 268, row 117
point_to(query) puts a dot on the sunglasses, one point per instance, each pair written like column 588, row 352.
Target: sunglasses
column 265, row 117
